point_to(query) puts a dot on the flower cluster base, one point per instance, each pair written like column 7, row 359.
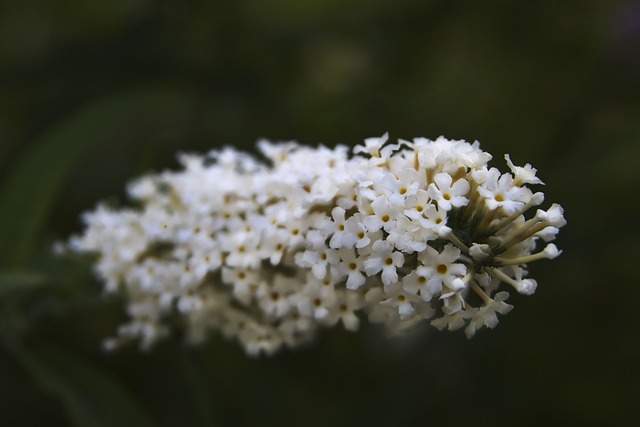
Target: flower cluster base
column 268, row 251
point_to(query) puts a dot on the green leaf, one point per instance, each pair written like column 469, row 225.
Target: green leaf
column 20, row 281
column 90, row 397
column 31, row 189
column 198, row 385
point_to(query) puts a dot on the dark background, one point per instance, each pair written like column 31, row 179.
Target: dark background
column 94, row 93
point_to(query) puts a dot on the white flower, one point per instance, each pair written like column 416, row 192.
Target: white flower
column 486, row 314
column 379, row 313
column 245, row 283
column 372, row 146
column 346, row 306
column 318, row 260
column 383, row 216
column 499, row 191
column 418, row 282
column 243, row 251
column 277, row 300
column 335, row 228
column 274, row 244
column 432, row 219
column 408, row 236
column 452, row 321
column 526, row 174
column 400, row 300
column 351, row 265
column 295, row 324
column 406, row 184
column 526, row 286
column 442, row 268
column 314, row 302
column 356, row 234
column 554, row 216
column 277, row 153
column 480, row 252
column 417, row 204
column 551, row 251
column 446, row 194
column 268, row 253
column 452, row 303
column 384, row 258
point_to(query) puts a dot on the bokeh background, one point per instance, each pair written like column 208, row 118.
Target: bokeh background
column 93, row 93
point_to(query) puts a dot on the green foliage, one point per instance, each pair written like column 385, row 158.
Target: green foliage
column 91, row 397
column 12, row 282
column 30, row 193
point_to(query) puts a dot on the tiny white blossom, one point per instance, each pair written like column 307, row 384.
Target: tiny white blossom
column 408, row 236
column 554, row 216
column 526, row 174
column 372, row 146
column 406, row 184
column 347, row 304
column 526, row 286
column 449, row 195
column 318, row 260
column 442, row 268
column 352, row 266
column 384, row 258
column 452, row 321
column 486, row 315
column 383, row 216
column 499, row 191
column 418, row 281
column 336, row 227
column 356, row 234
column 400, row 300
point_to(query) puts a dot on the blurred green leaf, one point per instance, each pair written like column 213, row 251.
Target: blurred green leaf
column 19, row 281
column 90, row 397
column 198, row 386
column 30, row 192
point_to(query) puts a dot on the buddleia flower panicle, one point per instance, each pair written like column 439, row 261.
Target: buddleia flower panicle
column 267, row 252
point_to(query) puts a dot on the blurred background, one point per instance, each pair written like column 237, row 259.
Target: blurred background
column 94, row 93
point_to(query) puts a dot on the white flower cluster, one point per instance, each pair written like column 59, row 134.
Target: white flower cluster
column 267, row 253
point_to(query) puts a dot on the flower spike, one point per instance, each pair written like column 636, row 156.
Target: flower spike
column 268, row 254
